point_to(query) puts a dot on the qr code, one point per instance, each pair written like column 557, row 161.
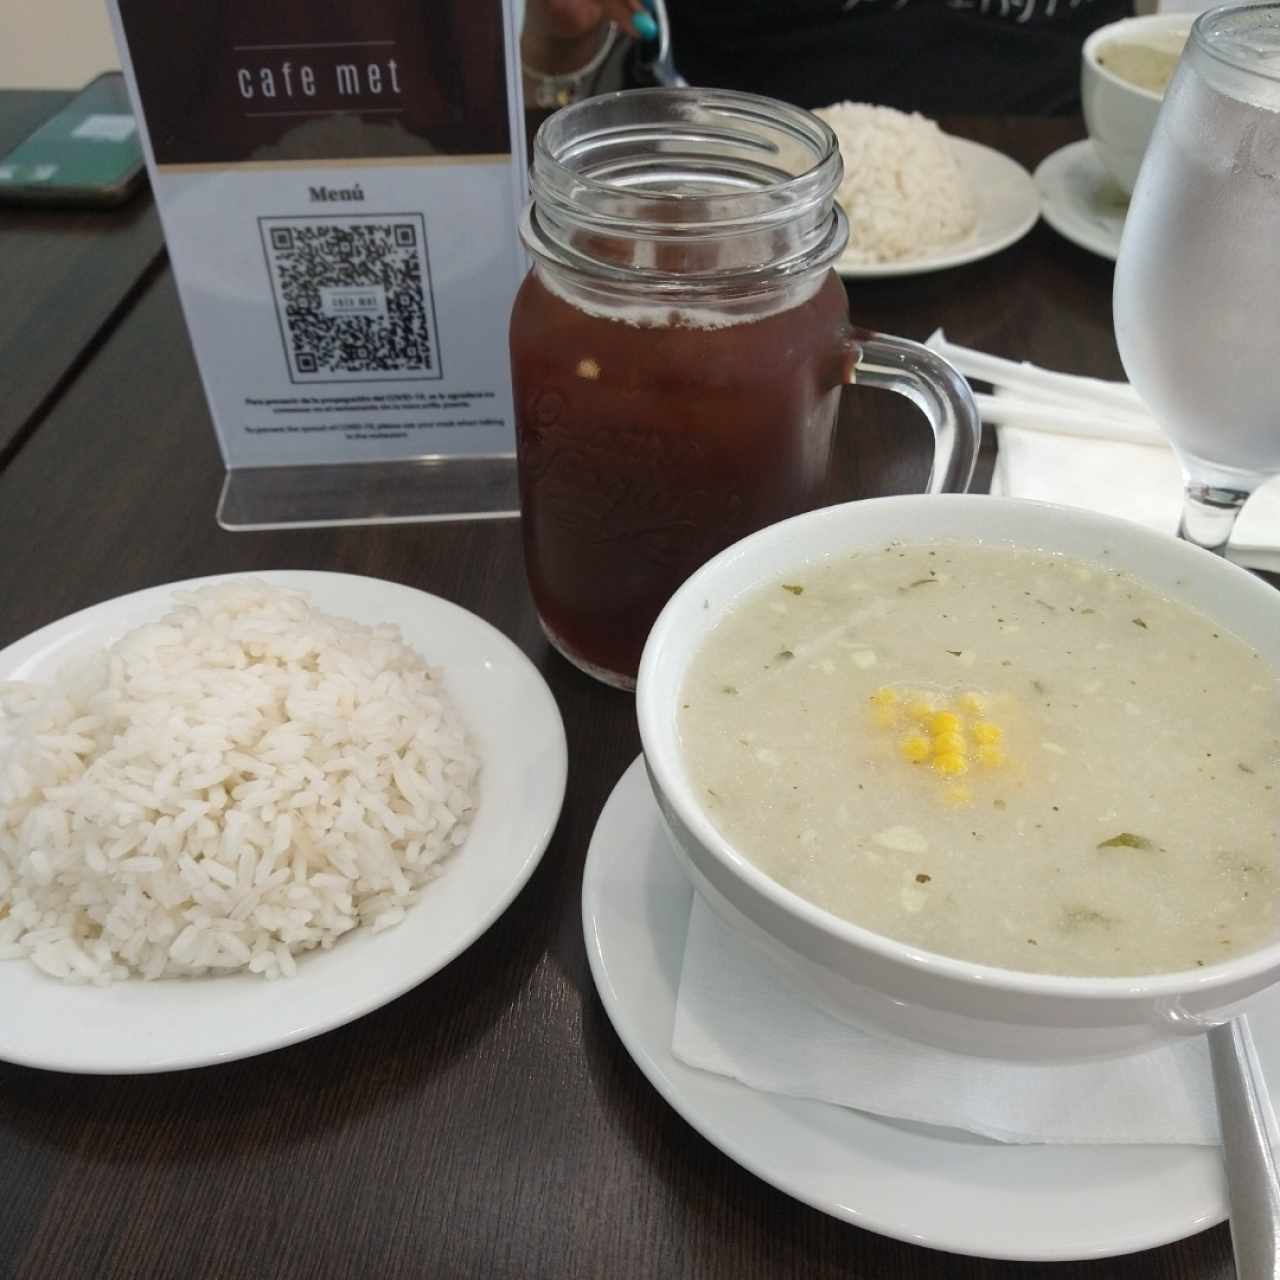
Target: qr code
column 353, row 295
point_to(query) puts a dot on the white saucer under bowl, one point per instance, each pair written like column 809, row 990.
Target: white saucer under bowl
column 929, row 1186
column 1079, row 199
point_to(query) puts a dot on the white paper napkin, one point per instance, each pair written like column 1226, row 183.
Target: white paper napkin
column 738, row 1015
column 1085, row 442
column 1135, row 481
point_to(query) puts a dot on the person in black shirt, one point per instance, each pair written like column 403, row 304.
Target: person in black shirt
column 940, row 57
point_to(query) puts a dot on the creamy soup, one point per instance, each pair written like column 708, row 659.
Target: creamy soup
column 1007, row 756
column 1148, row 63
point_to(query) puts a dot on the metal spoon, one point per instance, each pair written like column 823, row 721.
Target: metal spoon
column 662, row 66
column 1249, row 1142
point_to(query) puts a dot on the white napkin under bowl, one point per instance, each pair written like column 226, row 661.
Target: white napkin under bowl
column 739, row 1016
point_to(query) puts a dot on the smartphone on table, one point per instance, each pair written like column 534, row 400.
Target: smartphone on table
column 87, row 154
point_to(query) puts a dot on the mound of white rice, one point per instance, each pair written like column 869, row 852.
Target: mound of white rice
column 246, row 779
column 903, row 191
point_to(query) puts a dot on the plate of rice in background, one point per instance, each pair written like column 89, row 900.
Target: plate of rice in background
column 239, row 811
column 920, row 200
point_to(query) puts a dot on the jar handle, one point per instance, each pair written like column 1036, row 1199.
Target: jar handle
column 938, row 390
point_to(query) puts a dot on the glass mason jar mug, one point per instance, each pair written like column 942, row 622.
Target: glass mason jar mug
column 678, row 352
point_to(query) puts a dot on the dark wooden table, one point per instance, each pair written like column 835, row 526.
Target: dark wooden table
column 66, row 276
column 488, row 1123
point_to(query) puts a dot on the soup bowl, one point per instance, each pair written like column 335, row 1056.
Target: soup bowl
column 872, row 981
column 1119, row 114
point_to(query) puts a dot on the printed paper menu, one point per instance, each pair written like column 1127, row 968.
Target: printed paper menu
column 340, row 186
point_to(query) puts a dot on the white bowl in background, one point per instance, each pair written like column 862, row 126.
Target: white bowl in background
column 889, row 987
column 1119, row 115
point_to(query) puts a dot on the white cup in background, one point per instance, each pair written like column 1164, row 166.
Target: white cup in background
column 1120, row 115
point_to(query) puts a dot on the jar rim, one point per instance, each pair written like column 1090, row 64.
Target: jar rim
column 681, row 168
column 796, row 120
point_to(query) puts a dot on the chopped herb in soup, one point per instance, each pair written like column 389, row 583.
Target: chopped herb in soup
column 1039, row 762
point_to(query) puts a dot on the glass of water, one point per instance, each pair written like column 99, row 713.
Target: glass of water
column 1197, row 286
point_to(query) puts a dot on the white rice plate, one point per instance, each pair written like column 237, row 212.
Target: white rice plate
column 903, row 190
column 244, row 780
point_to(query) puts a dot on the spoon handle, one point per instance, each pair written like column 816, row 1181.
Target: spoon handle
column 1249, row 1134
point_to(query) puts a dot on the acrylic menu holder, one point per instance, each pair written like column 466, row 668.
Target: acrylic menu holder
column 408, row 491
column 340, row 189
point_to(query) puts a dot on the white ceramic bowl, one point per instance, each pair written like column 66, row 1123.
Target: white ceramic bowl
column 866, row 978
column 1120, row 116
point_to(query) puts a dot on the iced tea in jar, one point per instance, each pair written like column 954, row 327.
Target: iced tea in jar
column 679, row 349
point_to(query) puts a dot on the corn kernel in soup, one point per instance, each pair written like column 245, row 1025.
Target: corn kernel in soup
column 1007, row 756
